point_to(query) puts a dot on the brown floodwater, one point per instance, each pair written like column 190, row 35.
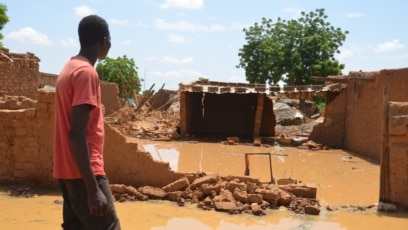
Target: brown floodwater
column 341, row 178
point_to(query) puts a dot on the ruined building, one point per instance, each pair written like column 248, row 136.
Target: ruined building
column 366, row 113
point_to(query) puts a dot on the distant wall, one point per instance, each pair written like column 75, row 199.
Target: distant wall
column 110, row 91
column 19, row 74
column 27, row 146
column 110, row 97
column 47, row 79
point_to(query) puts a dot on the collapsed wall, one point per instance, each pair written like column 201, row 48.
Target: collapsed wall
column 331, row 131
column 27, row 146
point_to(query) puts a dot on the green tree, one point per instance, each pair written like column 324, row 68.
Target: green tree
column 291, row 50
column 122, row 71
column 3, row 20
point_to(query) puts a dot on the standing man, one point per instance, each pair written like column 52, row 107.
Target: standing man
column 79, row 134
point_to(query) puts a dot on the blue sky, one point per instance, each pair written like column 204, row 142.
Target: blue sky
column 179, row 41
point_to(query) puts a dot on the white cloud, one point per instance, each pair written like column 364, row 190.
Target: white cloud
column 126, row 23
column 173, row 78
column 186, row 26
column 69, row 42
column 174, row 60
column 295, row 12
column 83, row 11
column 123, row 22
column 176, row 38
column 29, row 36
column 239, row 26
column 354, row 15
column 127, row 42
column 183, row 4
column 344, row 54
column 389, row 46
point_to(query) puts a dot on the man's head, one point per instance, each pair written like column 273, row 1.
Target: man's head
column 93, row 29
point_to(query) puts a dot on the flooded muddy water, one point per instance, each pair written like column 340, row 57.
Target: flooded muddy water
column 341, row 178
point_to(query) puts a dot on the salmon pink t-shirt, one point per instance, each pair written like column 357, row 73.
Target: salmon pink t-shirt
column 77, row 84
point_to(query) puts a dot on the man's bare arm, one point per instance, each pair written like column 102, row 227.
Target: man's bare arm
column 79, row 145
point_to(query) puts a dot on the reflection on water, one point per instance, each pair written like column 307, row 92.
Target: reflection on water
column 163, row 154
column 341, row 179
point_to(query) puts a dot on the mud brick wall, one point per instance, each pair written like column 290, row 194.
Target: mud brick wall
column 27, row 148
column 396, row 172
column 47, row 79
column 19, row 74
column 364, row 110
column 354, row 117
column 18, row 143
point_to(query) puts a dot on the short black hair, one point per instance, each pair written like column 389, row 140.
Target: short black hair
column 92, row 29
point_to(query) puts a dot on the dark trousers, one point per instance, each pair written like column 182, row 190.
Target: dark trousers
column 76, row 215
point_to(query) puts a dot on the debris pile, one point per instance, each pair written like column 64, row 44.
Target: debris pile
column 311, row 145
column 155, row 125
column 27, row 190
column 230, row 194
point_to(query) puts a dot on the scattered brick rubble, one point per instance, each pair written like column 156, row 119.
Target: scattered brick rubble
column 230, row 194
column 238, row 195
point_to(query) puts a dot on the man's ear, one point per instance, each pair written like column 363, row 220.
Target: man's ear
column 106, row 43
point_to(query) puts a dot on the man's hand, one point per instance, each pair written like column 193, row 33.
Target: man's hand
column 98, row 206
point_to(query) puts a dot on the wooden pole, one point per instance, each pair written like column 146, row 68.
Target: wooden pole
column 145, row 98
column 384, row 168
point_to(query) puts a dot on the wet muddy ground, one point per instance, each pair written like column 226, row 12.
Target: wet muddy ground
column 342, row 180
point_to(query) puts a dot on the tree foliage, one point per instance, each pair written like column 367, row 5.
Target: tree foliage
column 3, row 20
column 122, row 71
column 291, row 50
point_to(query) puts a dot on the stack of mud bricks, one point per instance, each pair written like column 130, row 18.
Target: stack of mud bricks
column 18, row 143
column 26, row 131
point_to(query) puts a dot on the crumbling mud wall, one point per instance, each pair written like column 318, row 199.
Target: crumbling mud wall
column 19, row 74
column 125, row 164
column 394, row 160
column 110, row 97
column 331, row 131
column 365, row 110
column 27, row 147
